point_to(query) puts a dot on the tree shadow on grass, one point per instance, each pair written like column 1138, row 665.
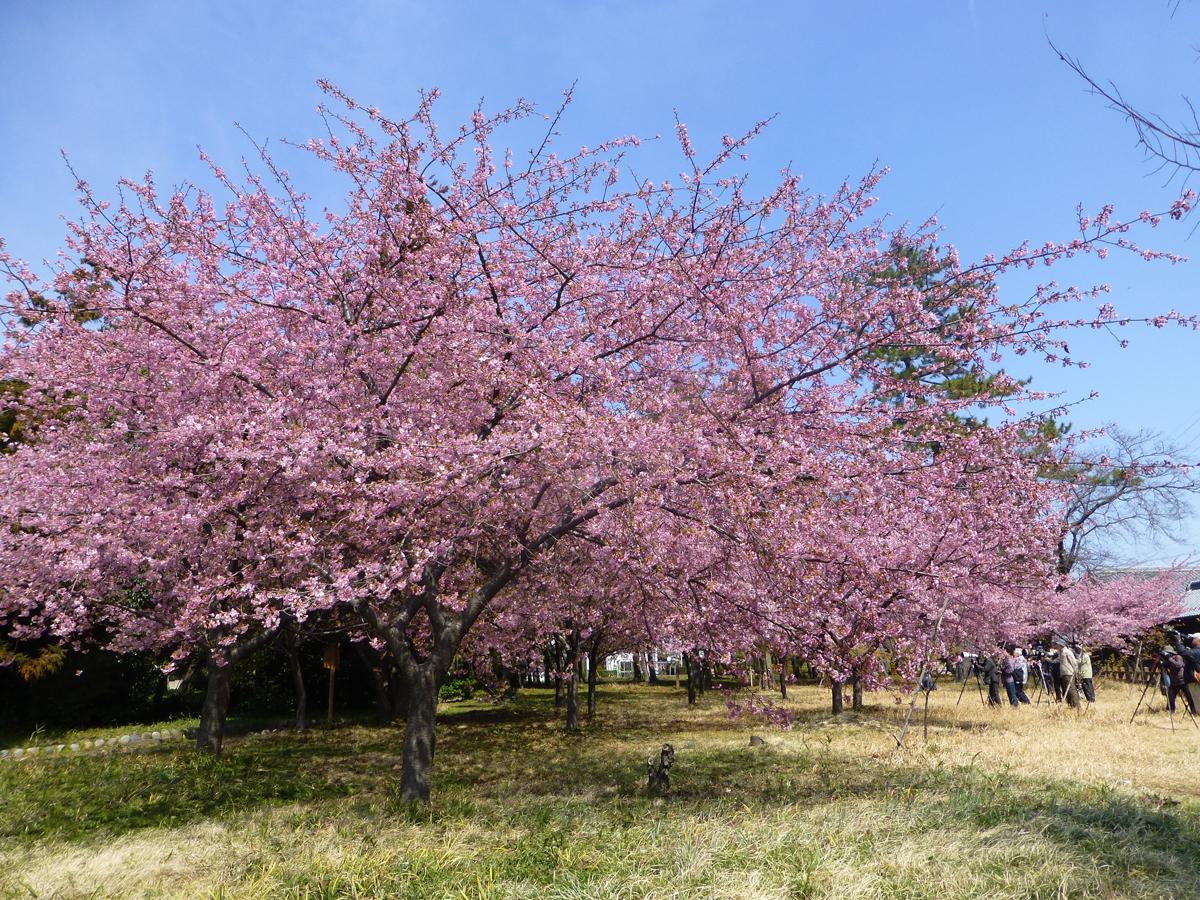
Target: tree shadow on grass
column 499, row 770
column 1121, row 843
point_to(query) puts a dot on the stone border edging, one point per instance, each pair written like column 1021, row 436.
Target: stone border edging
column 127, row 741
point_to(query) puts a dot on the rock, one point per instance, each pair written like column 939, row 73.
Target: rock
column 146, row 736
column 19, row 752
column 125, row 739
column 156, row 735
column 31, row 751
column 756, row 741
column 87, row 745
column 74, row 748
column 60, row 748
column 3, row 754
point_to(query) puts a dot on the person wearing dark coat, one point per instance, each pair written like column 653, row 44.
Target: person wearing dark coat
column 1187, row 647
column 1174, row 678
column 993, row 673
column 1053, row 672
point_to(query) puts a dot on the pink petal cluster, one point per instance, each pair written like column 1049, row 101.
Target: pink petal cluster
column 484, row 401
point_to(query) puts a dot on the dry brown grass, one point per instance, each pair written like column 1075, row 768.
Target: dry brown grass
column 1032, row 802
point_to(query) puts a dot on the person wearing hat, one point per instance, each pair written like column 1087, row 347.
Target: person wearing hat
column 1068, row 664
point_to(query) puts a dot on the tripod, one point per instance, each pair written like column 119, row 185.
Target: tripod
column 1043, row 686
column 1152, row 679
column 978, row 684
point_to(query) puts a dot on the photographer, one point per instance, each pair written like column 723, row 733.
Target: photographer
column 1068, row 672
column 1052, row 675
column 1188, row 649
column 992, row 672
column 1086, row 683
column 1021, row 675
column 1174, row 669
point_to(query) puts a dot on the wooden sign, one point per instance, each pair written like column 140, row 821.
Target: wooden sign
column 332, row 656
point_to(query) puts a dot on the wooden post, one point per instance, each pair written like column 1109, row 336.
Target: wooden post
column 332, row 657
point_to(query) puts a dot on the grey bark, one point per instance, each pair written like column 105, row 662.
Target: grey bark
column 838, row 703
column 593, row 664
column 689, row 663
column 420, row 736
column 293, row 648
column 210, row 736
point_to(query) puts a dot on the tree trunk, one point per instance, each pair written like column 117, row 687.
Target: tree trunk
column 572, row 691
column 374, row 663
column 637, row 669
column 399, row 692
column 593, row 664
column 689, row 664
column 554, row 666
column 419, row 737
column 783, row 676
column 159, row 692
column 837, row 698
column 572, row 685
column 856, row 701
column 210, row 736
column 293, row 648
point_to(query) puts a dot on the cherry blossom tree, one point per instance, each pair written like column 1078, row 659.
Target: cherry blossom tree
column 1097, row 611
column 404, row 406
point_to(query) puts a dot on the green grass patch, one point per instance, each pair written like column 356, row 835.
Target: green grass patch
column 522, row 809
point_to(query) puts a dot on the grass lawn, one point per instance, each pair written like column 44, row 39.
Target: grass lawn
column 1024, row 803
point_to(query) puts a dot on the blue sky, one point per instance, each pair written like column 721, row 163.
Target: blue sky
column 965, row 102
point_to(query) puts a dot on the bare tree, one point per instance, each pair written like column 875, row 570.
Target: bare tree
column 1173, row 144
column 1132, row 488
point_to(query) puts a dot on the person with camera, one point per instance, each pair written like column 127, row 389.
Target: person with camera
column 1014, row 679
column 993, row 673
column 1187, row 648
column 1068, row 664
column 1086, row 682
column 1174, row 679
column 1021, row 674
column 1052, row 674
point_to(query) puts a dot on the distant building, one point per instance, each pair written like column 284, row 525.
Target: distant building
column 621, row 664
